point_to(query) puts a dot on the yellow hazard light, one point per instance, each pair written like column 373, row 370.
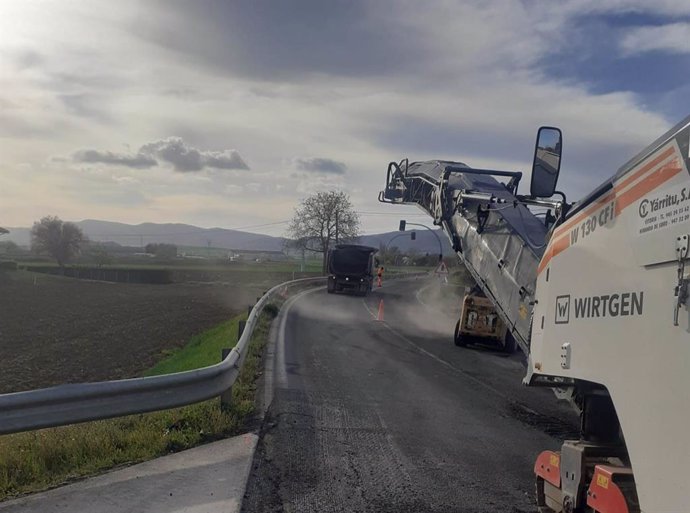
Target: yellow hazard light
column 523, row 311
column 602, row 481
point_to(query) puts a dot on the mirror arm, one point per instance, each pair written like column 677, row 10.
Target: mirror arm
column 540, row 202
column 562, row 195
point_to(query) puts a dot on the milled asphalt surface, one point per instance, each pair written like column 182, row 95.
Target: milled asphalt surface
column 371, row 416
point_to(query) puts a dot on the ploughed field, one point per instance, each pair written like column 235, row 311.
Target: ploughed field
column 57, row 330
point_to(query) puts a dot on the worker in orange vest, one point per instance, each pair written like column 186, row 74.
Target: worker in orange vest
column 379, row 274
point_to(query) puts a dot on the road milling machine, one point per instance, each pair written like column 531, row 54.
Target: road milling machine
column 595, row 293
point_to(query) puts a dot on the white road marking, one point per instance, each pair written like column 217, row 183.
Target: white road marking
column 280, row 370
column 416, row 295
column 364, row 302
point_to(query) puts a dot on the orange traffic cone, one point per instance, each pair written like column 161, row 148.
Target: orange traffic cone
column 379, row 317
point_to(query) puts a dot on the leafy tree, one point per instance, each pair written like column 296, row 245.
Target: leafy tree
column 101, row 256
column 323, row 219
column 389, row 255
column 61, row 240
column 9, row 247
column 162, row 250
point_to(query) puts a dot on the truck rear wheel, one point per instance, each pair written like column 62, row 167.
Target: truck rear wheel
column 459, row 339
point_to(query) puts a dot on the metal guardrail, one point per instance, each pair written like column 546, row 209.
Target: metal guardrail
column 73, row 403
column 82, row 402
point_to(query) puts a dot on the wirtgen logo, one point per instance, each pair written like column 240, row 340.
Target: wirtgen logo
column 620, row 304
column 563, row 309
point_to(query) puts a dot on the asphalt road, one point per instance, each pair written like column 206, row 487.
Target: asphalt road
column 391, row 416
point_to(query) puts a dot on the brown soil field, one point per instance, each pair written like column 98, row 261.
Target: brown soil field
column 56, row 330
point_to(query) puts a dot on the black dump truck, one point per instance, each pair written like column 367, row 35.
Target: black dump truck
column 351, row 269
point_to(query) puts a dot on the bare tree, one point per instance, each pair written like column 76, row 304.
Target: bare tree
column 323, row 220
column 59, row 239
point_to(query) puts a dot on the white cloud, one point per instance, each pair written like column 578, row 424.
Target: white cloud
column 172, row 150
column 186, row 158
column 673, row 38
column 118, row 159
column 658, row 7
column 466, row 85
column 320, row 165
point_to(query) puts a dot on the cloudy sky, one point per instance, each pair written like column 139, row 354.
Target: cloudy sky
column 226, row 113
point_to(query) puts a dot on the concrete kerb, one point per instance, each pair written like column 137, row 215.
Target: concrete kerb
column 205, row 479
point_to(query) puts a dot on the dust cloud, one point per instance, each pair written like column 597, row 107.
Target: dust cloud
column 424, row 307
column 436, row 305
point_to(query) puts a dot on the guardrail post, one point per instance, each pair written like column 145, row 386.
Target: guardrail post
column 225, row 397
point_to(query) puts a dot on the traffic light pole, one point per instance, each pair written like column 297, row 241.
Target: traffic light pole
column 385, row 247
column 404, row 223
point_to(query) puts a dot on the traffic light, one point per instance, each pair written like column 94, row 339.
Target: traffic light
column 402, row 225
column 413, row 235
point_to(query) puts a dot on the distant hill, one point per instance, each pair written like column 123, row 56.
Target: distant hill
column 21, row 236
column 180, row 234
column 188, row 235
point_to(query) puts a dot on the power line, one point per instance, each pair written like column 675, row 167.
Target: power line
column 396, row 214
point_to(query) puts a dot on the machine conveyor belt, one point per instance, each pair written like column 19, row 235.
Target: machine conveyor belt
column 500, row 242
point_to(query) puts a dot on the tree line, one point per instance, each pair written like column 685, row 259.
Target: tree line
column 320, row 221
column 63, row 241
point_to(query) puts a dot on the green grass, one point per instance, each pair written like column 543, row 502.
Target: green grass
column 289, row 266
column 182, row 265
column 202, row 350
column 45, row 458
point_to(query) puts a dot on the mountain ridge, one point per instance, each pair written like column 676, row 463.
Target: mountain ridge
column 182, row 234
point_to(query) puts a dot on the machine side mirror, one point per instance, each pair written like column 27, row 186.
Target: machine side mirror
column 547, row 162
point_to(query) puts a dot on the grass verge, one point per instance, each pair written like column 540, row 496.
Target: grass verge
column 42, row 459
